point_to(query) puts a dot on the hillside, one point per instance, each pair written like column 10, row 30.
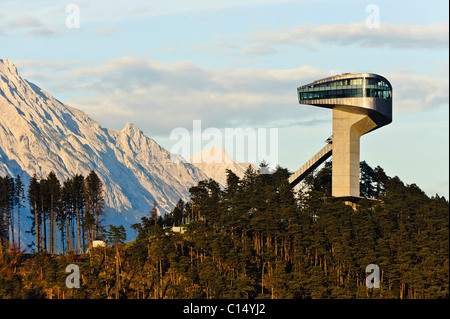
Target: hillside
column 257, row 240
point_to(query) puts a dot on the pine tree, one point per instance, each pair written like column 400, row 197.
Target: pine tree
column 44, row 208
column 54, row 202
column 94, row 204
column 34, row 197
column 116, row 235
column 366, row 180
column 178, row 213
column 321, row 179
column 255, row 239
column 154, row 214
column 11, row 205
column 136, row 227
column 380, row 180
column 19, row 197
column 5, row 211
column 68, row 213
column 78, row 196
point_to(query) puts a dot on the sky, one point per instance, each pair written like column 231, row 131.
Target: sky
column 162, row 65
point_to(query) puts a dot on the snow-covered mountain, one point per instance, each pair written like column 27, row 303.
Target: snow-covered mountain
column 215, row 161
column 39, row 134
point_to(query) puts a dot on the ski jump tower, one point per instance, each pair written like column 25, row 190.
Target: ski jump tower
column 360, row 103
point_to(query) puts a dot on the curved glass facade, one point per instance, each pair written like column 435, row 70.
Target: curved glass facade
column 378, row 88
column 346, row 88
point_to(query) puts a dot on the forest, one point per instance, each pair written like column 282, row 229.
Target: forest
column 254, row 238
column 65, row 216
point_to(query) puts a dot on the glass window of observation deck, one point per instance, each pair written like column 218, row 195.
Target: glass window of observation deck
column 376, row 82
column 330, row 94
column 381, row 94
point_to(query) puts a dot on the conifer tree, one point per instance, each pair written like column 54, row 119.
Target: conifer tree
column 5, row 210
column 54, row 202
column 254, row 241
column 366, row 180
column 94, row 201
column 77, row 191
column 68, row 213
column 11, row 204
column 380, row 180
column 34, row 197
column 19, row 198
column 178, row 213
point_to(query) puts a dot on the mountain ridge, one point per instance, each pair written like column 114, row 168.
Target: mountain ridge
column 215, row 161
column 39, row 134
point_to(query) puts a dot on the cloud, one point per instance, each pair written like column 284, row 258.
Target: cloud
column 163, row 96
column 168, row 95
column 47, row 64
column 104, row 30
column 432, row 36
column 415, row 93
column 105, row 12
column 140, row 10
column 24, row 21
column 41, row 32
column 395, row 36
column 160, row 96
column 31, row 24
column 258, row 49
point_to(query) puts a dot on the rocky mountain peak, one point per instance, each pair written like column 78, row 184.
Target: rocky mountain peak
column 6, row 66
column 39, row 135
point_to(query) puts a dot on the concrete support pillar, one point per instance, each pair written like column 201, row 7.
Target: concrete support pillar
column 347, row 130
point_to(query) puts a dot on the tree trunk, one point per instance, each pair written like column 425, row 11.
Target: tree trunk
column 36, row 227
column 51, row 225
column 117, row 274
column 18, row 223
column 11, row 221
column 78, row 231
column 67, row 232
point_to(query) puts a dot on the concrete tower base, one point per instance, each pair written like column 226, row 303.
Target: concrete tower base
column 361, row 102
column 347, row 130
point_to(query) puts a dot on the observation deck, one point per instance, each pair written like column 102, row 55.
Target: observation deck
column 361, row 103
column 364, row 93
